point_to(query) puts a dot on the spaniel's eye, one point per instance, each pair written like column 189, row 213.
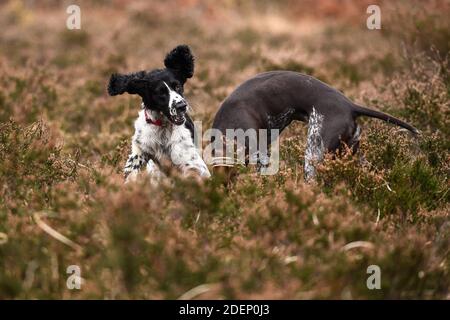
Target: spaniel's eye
column 176, row 86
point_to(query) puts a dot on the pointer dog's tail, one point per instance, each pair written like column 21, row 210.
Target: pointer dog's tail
column 363, row 111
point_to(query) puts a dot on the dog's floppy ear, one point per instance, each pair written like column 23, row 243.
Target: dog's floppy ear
column 133, row 83
column 181, row 60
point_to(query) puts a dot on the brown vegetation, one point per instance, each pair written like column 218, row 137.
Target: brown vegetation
column 63, row 143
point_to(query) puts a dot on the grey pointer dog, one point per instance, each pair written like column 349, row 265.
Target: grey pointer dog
column 272, row 100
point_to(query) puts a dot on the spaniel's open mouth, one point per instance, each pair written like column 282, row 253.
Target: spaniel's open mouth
column 178, row 119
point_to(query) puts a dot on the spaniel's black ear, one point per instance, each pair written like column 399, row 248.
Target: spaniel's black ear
column 133, row 83
column 181, row 60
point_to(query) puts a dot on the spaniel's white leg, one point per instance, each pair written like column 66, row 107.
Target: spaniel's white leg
column 136, row 160
column 185, row 155
column 155, row 173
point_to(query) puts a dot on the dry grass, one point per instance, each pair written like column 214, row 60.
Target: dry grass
column 63, row 143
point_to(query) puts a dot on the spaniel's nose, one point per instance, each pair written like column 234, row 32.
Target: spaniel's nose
column 181, row 106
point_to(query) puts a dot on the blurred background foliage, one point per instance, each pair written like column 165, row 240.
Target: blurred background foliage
column 63, row 143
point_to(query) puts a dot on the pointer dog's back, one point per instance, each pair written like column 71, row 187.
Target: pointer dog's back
column 272, row 100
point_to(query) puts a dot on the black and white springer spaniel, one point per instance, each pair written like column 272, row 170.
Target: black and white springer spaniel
column 164, row 132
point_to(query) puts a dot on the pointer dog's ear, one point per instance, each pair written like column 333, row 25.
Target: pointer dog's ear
column 133, row 83
column 181, row 61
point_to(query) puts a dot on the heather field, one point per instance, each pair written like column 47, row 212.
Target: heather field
column 64, row 141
